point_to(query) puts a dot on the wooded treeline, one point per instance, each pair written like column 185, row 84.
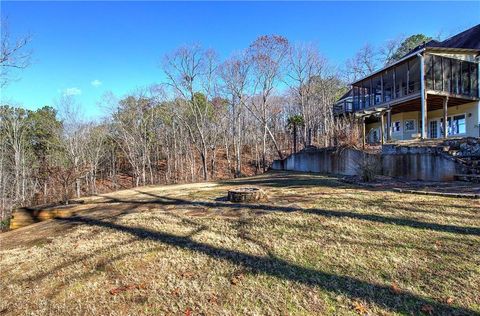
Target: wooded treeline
column 209, row 119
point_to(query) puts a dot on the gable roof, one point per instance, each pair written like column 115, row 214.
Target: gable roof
column 431, row 43
column 347, row 94
column 468, row 39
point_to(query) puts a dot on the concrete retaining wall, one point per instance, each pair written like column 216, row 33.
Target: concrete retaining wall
column 420, row 166
column 424, row 163
column 321, row 161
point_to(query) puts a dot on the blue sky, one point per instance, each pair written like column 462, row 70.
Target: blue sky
column 121, row 44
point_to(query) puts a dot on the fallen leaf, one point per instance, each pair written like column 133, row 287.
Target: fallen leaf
column 427, row 309
column 125, row 288
column 187, row 274
column 395, row 288
column 188, row 312
column 176, row 292
column 213, row 299
column 360, row 308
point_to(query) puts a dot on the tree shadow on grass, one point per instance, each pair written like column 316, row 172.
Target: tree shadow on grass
column 262, row 208
column 288, row 182
column 381, row 295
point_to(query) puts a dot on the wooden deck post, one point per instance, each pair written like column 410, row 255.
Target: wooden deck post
column 445, row 118
column 362, row 121
column 423, row 95
column 382, row 128
column 389, row 125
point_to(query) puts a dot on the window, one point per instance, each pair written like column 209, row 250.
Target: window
column 410, row 126
column 396, row 127
column 433, row 129
column 457, row 125
column 375, row 135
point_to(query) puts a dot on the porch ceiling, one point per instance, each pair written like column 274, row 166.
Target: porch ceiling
column 434, row 102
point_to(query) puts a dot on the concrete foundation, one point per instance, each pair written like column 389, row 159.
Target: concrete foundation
column 321, row 161
column 419, row 163
column 415, row 163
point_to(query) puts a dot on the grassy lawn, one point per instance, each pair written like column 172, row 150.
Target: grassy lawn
column 316, row 247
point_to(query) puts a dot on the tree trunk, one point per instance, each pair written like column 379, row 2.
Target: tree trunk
column 77, row 187
column 295, row 138
column 203, row 157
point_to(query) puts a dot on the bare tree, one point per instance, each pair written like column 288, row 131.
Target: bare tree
column 15, row 130
column 388, row 51
column 363, row 63
column 306, row 65
column 14, row 53
column 267, row 55
column 235, row 75
column 133, row 122
column 192, row 74
column 96, row 138
column 206, row 118
column 73, row 140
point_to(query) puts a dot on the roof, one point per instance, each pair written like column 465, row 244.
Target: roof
column 347, row 94
column 432, row 43
column 409, row 55
column 468, row 40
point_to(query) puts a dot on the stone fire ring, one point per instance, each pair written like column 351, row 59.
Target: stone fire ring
column 246, row 194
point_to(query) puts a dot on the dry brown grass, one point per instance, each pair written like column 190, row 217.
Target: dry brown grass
column 317, row 247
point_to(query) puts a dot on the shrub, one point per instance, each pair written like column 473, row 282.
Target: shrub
column 4, row 225
column 369, row 166
column 347, row 133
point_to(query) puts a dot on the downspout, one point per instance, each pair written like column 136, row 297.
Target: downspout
column 422, row 94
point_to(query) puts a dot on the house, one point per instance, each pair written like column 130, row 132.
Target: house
column 434, row 83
